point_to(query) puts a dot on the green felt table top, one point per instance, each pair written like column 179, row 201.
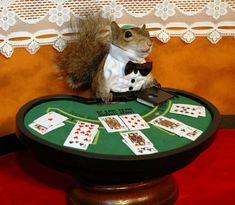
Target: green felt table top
column 111, row 143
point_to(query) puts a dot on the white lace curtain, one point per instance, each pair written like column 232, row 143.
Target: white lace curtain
column 33, row 23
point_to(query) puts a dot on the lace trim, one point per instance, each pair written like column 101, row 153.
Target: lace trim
column 33, row 23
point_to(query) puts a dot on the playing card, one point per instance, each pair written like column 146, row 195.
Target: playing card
column 43, row 130
column 188, row 110
column 136, row 139
column 134, row 122
column 75, row 144
column 83, row 132
column 201, row 111
column 166, row 123
column 188, row 132
column 113, row 123
column 142, row 150
column 50, row 119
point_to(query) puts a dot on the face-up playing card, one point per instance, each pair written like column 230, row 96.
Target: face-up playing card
column 84, row 132
column 43, row 130
column 136, row 139
column 134, row 122
column 50, row 119
column 188, row 110
column 184, row 110
column 166, row 123
column 188, row 132
column 201, row 111
column 76, row 144
column 113, row 123
column 142, row 150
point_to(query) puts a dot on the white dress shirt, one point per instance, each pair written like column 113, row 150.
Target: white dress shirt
column 114, row 68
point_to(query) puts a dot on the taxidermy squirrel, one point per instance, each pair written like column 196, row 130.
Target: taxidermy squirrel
column 109, row 58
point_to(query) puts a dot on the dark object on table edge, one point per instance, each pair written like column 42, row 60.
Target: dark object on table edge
column 149, row 96
column 114, row 169
column 153, row 96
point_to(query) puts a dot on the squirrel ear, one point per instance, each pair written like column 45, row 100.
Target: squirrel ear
column 115, row 30
column 144, row 27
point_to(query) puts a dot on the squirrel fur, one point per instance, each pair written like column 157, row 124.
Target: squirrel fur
column 84, row 61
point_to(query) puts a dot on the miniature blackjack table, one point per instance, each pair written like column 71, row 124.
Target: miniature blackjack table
column 108, row 172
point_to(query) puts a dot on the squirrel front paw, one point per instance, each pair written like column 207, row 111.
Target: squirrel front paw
column 107, row 97
column 152, row 83
column 156, row 84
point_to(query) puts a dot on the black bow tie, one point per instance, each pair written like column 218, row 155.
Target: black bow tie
column 144, row 68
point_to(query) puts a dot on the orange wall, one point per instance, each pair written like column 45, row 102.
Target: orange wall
column 200, row 67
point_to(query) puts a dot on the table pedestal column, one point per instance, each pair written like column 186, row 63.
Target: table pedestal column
column 160, row 191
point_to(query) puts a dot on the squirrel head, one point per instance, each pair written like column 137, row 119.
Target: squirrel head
column 135, row 41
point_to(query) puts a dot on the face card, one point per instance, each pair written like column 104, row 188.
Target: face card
column 84, row 132
column 142, row 150
column 136, row 139
column 112, row 123
column 134, row 122
column 188, row 132
column 166, row 123
column 50, row 119
column 43, row 130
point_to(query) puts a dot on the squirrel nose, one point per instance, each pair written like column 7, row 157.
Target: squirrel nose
column 149, row 43
column 145, row 44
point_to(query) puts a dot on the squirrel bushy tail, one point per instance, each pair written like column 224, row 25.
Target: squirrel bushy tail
column 81, row 58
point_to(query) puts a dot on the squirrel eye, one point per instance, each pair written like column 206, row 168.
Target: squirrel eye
column 128, row 34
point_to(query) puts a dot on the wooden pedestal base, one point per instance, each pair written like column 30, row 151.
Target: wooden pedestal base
column 160, row 191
